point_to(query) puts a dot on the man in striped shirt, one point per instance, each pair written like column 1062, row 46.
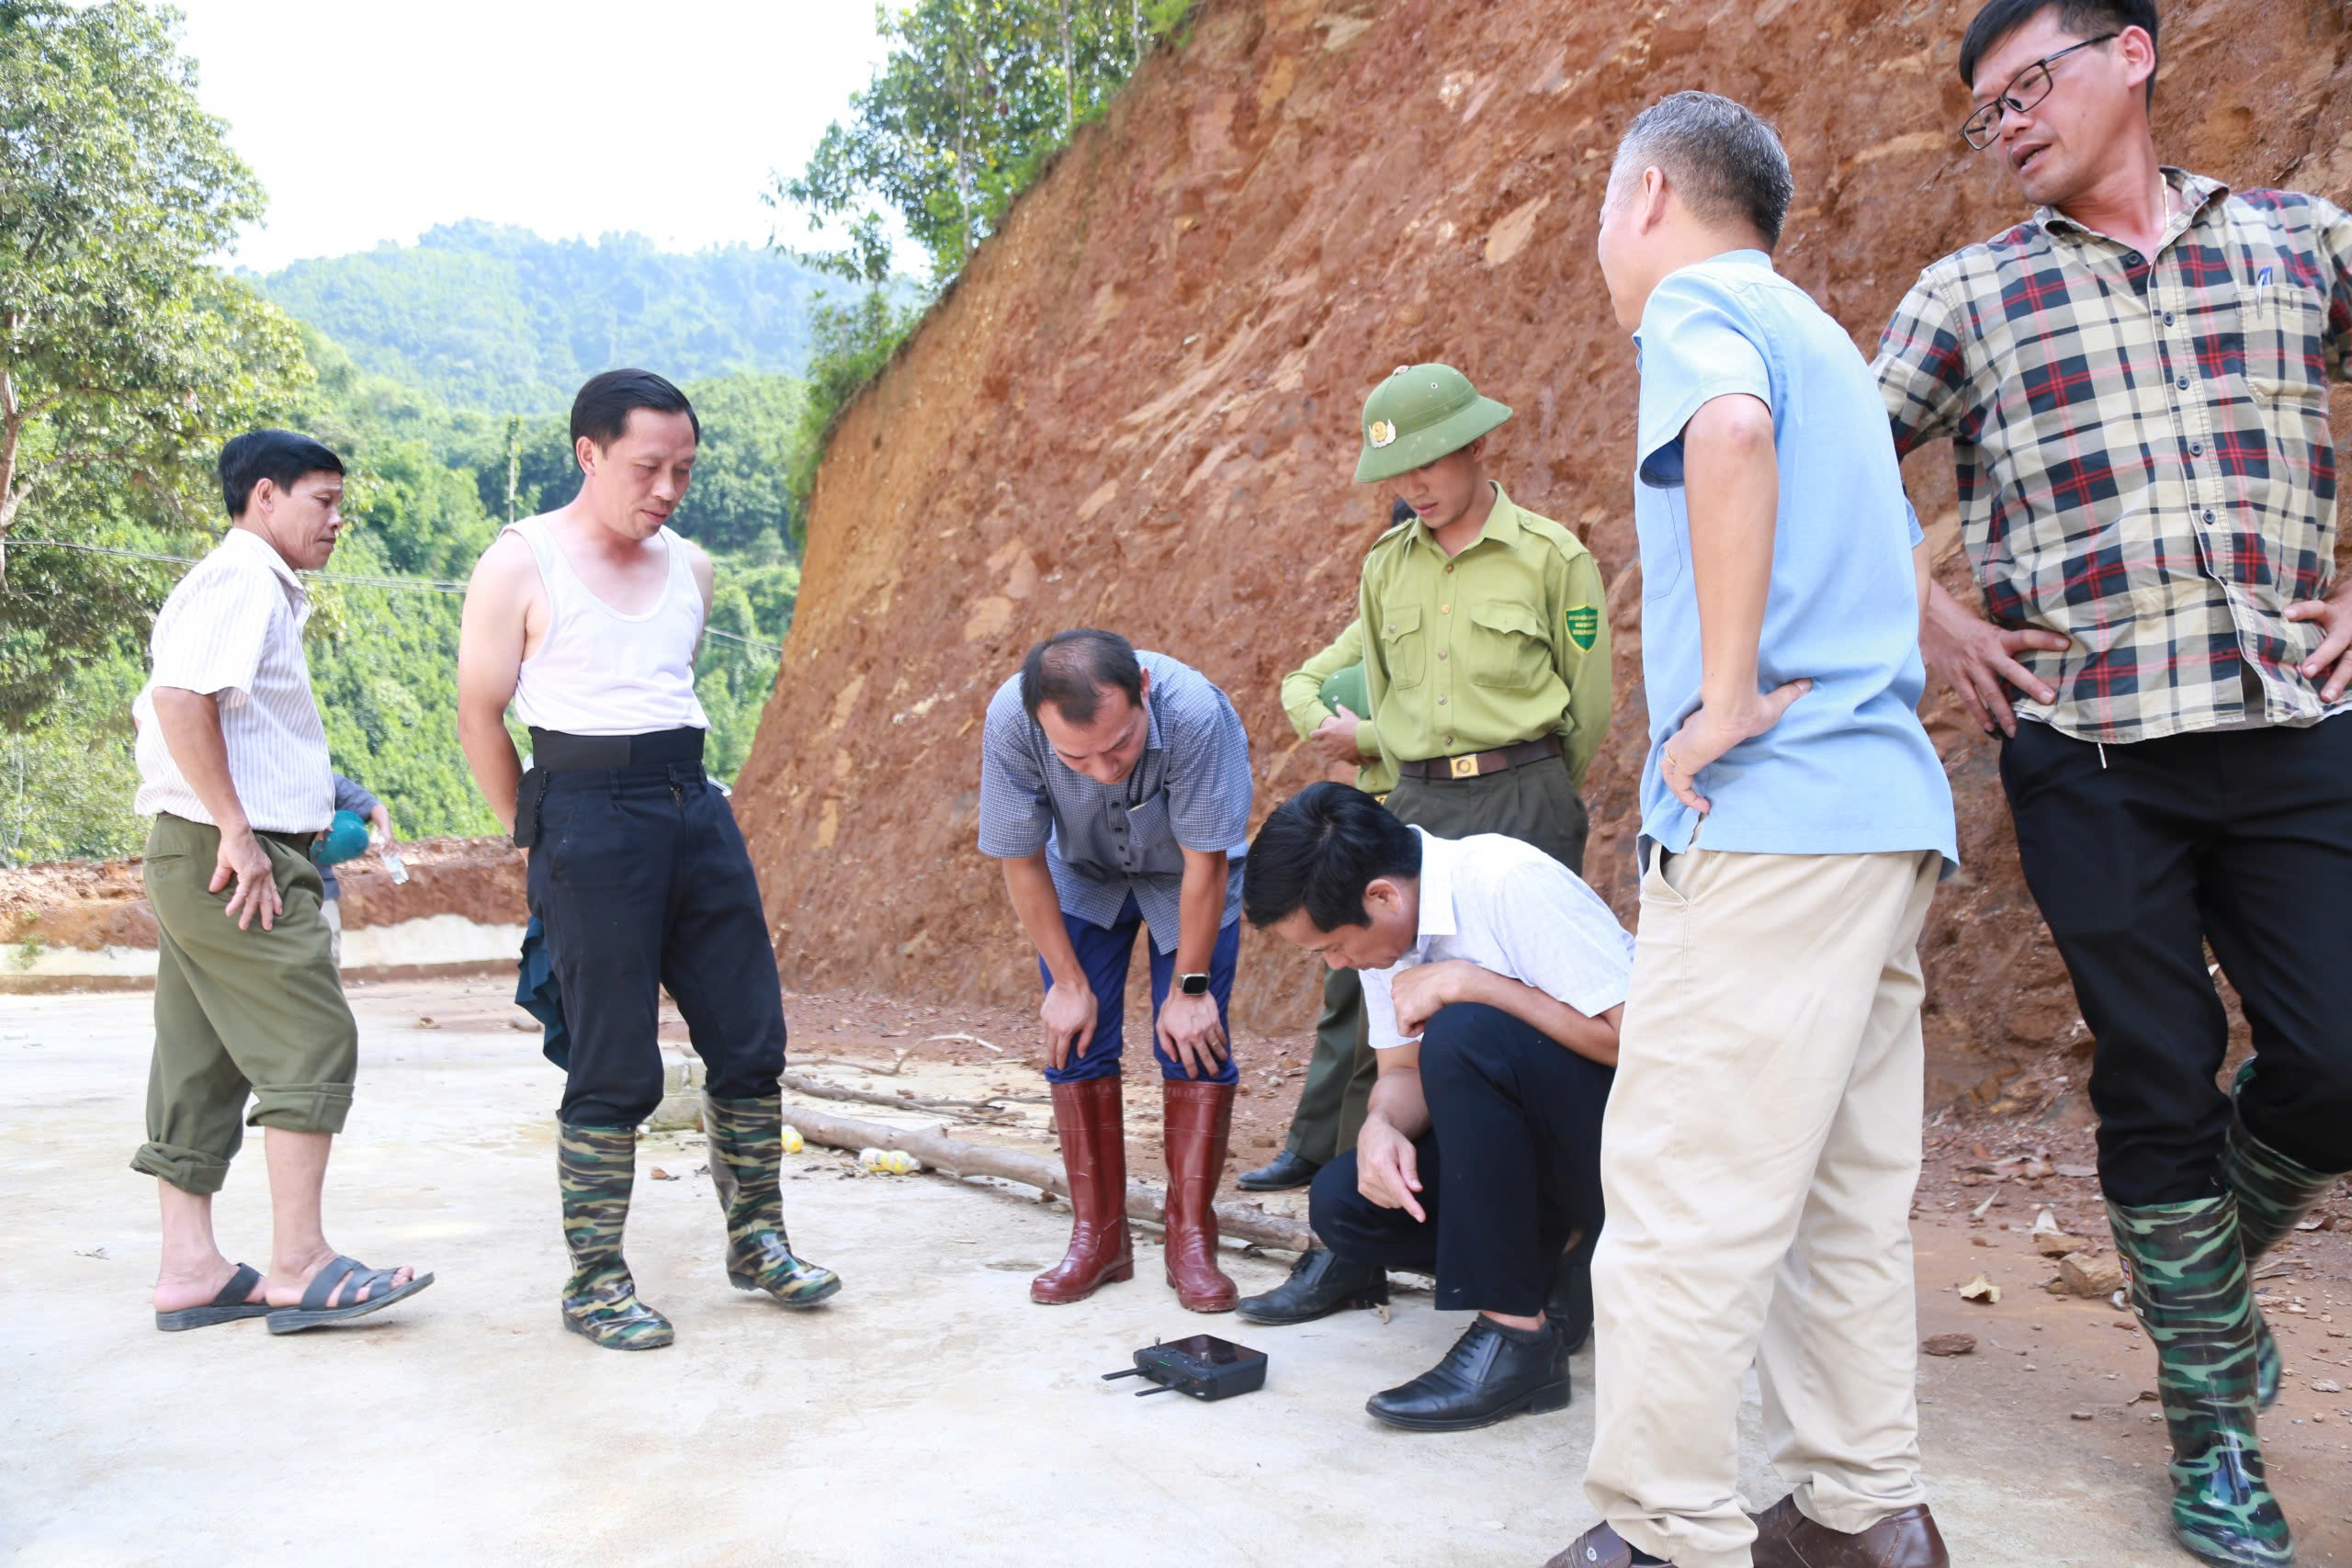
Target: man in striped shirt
column 2134, row 384
column 233, row 765
column 1115, row 786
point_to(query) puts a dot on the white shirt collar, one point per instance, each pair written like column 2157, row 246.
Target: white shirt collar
column 1438, row 916
column 245, row 539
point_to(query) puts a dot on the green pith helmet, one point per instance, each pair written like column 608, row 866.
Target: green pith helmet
column 1347, row 690
column 1420, row 414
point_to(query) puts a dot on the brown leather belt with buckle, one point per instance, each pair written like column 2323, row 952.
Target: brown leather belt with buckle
column 1475, row 764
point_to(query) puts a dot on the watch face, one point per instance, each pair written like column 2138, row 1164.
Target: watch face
column 1194, row 985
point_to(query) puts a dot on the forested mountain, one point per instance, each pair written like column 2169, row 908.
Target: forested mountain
column 487, row 316
column 441, row 372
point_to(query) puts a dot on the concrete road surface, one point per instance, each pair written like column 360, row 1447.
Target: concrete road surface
column 929, row 1415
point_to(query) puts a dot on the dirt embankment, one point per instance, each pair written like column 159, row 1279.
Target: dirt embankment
column 86, row 906
column 1137, row 411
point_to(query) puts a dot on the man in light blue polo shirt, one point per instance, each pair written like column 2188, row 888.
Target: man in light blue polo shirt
column 1762, row 1142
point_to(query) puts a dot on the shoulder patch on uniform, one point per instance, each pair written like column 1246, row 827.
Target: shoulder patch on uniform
column 1584, row 625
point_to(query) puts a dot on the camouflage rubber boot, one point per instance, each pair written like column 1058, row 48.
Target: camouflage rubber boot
column 596, row 1170
column 2273, row 1193
column 746, row 1160
column 2188, row 1284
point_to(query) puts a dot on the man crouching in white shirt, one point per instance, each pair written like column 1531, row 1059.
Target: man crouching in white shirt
column 1493, row 978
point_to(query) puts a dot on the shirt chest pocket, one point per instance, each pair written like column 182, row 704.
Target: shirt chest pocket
column 1152, row 849
column 1507, row 647
column 2284, row 324
column 1404, row 646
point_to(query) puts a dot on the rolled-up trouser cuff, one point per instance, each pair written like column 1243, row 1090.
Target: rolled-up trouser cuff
column 301, row 1107
column 191, row 1170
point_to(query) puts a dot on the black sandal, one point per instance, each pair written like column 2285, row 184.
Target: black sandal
column 314, row 1312
column 227, row 1307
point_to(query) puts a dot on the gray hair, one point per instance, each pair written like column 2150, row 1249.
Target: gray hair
column 1722, row 156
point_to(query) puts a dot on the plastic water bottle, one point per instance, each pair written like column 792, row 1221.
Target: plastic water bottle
column 888, row 1162
column 793, row 1144
column 393, row 863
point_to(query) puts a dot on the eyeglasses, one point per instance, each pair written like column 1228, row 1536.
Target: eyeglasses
column 2027, row 88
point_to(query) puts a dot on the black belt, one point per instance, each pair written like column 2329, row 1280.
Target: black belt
column 1473, row 764
column 552, row 751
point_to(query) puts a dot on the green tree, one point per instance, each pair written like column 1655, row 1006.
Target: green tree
column 853, row 342
column 740, row 491
column 752, row 600
column 124, row 360
column 66, row 774
column 974, row 96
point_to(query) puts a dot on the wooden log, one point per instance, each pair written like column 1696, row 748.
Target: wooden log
column 939, row 1151
column 969, row 1110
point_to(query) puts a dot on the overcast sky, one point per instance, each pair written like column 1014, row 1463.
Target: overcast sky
column 375, row 121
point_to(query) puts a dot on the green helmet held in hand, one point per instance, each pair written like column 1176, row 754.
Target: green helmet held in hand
column 1347, row 690
column 1418, row 415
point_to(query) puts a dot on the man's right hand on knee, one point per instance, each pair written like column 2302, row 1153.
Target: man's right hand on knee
column 1069, row 1016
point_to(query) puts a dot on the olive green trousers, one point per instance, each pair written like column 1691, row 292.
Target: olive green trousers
column 239, row 1015
column 1536, row 804
column 1338, row 1076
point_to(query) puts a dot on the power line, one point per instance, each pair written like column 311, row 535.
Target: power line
column 347, row 579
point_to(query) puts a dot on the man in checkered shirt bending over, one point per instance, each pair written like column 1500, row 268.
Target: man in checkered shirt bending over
column 2133, row 381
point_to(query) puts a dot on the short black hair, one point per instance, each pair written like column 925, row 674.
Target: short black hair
column 1401, row 514
column 1723, row 157
column 2084, row 19
column 601, row 411
column 1070, row 668
column 281, row 457
column 1318, row 852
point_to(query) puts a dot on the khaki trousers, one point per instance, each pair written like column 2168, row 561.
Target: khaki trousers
column 1758, row 1162
column 241, row 1016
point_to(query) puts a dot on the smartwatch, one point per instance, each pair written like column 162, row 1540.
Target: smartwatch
column 1192, row 985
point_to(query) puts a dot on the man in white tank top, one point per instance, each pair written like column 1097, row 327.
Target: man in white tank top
column 586, row 620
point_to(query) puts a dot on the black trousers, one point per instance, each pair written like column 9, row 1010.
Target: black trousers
column 642, row 882
column 2138, row 858
column 1509, row 1167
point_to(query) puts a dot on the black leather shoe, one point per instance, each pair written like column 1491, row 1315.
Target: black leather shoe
column 1321, row 1283
column 1279, row 1174
column 1484, row 1379
column 1569, row 1307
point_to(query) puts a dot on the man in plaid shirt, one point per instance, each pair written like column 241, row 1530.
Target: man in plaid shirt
column 2134, row 385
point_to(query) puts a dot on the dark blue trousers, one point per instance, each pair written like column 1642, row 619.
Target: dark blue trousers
column 1104, row 953
column 1509, row 1167
column 642, row 882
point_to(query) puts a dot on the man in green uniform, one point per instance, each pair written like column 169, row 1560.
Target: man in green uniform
column 1485, row 637
column 1325, row 699
column 1485, row 658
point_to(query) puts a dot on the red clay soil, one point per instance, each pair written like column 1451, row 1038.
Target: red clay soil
column 92, row 903
column 1136, row 410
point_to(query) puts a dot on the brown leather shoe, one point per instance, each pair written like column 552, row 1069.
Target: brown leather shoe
column 1199, row 1117
column 1094, row 1155
column 1786, row 1539
column 1599, row 1547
